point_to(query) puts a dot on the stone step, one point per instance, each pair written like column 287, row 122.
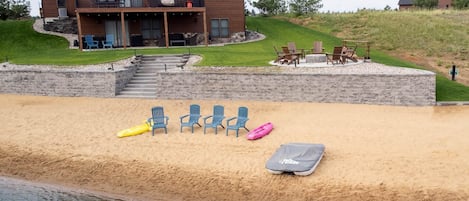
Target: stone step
column 141, row 82
column 137, row 93
column 173, row 65
column 139, row 89
column 153, row 70
column 154, row 86
column 162, row 57
column 162, row 62
column 149, row 78
column 137, row 96
column 143, row 75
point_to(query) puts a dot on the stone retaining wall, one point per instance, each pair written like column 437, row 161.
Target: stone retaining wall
column 64, row 82
column 360, row 89
column 389, row 89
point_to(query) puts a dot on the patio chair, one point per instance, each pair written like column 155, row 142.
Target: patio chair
column 241, row 120
column 217, row 118
column 349, row 53
column 90, row 43
column 293, row 50
column 280, row 55
column 336, row 56
column 158, row 120
column 289, row 57
column 109, row 42
column 317, row 48
column 194, row 115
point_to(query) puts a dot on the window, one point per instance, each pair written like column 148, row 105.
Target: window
column 61, row 3
column 220, row 28
column 151, row 29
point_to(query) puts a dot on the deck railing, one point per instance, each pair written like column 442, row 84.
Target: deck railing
column 137, row 3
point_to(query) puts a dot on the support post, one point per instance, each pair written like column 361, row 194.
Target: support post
column 453, row 73
column 205, row 29
column 124, row 34
column 80, row 34
column 166, row 36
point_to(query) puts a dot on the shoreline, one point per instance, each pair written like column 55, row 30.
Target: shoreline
column 372, row 152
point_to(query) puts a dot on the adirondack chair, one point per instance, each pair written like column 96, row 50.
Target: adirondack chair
column 280, row 55
column 336, row 56
column 289, row 57
column 109, row 42
column 292, row 48
column 90, row 43
column 194, row 115
column 217, row 118
column 158, row 120
column 317, row 48
column 349, row 53
column 242, row 118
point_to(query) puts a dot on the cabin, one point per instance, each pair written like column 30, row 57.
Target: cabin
column 408, row 4
column 135, row 23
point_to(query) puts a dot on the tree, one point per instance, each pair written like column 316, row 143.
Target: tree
column 13, row 9
column 461, row 4
column 4, row 9
column 428, row 4
column 301, row 7
column 270, row 7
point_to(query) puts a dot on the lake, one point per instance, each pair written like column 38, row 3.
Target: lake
column 19, row 190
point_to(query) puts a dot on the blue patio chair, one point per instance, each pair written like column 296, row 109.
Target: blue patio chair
column 158, row 120
column 90, row 42
column 217, row 118
column 109, row 42
column 194, row 115
column 242, row 118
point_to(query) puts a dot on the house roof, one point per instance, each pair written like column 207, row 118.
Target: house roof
column 406, row 2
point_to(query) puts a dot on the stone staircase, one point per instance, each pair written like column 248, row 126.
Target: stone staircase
column 143, row 84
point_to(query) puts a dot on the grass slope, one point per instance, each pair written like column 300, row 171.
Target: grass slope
column 22, row 45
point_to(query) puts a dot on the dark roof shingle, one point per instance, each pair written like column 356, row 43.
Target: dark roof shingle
column 406, row 2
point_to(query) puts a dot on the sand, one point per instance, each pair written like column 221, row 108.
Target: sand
column 372, row 152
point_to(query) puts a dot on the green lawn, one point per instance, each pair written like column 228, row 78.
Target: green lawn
column 22, row 45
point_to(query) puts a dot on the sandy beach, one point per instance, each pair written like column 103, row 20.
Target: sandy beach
column 372, row 152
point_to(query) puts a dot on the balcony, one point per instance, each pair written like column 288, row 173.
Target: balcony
column 137, row 3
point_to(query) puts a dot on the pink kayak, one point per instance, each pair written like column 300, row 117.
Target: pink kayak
column 260, row 131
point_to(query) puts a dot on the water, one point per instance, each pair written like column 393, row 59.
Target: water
column 19, row 190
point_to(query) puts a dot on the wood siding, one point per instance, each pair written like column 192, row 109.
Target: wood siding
column 49, row 8
column 70, row 5
column 444, row 4
column 233, row 10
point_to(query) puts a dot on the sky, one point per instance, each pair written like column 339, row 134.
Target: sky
column 328, row 5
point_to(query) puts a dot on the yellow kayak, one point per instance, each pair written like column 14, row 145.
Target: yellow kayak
column 136, row 130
